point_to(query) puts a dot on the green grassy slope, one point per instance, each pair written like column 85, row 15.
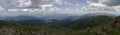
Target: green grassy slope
column 90, row 22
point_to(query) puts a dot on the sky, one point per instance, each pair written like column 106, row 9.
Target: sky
column 14, row 7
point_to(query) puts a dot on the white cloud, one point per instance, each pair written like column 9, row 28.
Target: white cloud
column 95, row 3
column 48, row 7
column 2, row 9
column 24, row 3
column 107, row 2
column 117, row 8
column 98, row 9
column 45, row 6
column 99, row 6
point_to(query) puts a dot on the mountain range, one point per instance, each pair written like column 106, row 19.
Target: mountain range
column 92, row 25
column 66, row 20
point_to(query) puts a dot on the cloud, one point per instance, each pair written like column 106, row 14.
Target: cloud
column 2, row 9
column 103, row 6
column 117, row 8
column 107, row 2
column 53, row 6
column 112, row 2
column 35, row 4
column 98, row 9
column 7, row 1
column 24, row 3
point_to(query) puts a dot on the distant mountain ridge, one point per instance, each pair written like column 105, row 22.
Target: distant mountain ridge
column 61, row 19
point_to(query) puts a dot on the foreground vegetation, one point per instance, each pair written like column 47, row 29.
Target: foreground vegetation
column 109, row 27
